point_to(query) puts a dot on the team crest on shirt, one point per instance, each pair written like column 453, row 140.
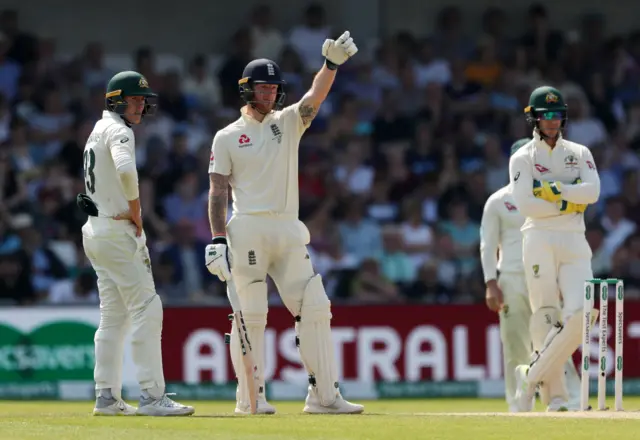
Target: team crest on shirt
column 510, row 207
column 276, row 133
column 570, row 161
column 536, row 271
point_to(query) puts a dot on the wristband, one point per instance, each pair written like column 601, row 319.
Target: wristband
column 221, row 239
column 330, row 65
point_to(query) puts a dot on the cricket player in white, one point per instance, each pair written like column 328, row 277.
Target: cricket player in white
column 553, row 180
column 115, row 243
column 501, row 251
column 258, row 156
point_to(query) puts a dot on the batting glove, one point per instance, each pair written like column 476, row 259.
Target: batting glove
column 216, row 258
column 337, row 52
column 549, row 191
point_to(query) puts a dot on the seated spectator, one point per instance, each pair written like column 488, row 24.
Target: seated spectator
column 268, row 40
column 53, row 125
column 353, row 172
column 185, row 253
column 199, row 87
column 306, row 38
column 584, row 128
column 417, row 236
column 370, row 286
column 601, row 259
column 15, row 279
column 185, row 202
column 396, row 265
column 427, row 288
column 485, row 69
column 82, row 290
column 465, row 235
column 616, row 225
column 360, row 236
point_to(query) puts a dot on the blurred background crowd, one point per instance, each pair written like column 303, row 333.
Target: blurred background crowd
column 394, row 171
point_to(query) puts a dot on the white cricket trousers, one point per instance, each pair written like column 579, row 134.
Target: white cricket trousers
column 556, row 262
column 514, row 329
column 127, row 298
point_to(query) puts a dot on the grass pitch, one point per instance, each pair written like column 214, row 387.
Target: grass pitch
column 434, row 419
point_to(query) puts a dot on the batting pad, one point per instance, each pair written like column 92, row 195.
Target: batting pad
column 560, row 343
column 542, row 322
column 313, row 327
column 255, row 320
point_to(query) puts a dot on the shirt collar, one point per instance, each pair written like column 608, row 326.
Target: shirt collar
column 116, row 117
column 541, row 144
column 250, row 120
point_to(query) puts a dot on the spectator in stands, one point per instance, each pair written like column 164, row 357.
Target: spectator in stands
column 306, row 38
column 416, row 124
column 23, row 45
column 200, row 87
column 81, row 290
column 10, row 70
column 427, row 287
column 616, row 224
column 601, row 260
column 395, row 264
column 183, row 255
column 370, row 285
column 185, row 203
column 233, row 66
column 15, row 279
column 268, row 41
column 360, row 237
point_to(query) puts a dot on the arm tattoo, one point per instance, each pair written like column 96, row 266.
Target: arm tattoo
column 307, row 113
column 218, row 201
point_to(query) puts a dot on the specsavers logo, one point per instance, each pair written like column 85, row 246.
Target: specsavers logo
column 60, row 350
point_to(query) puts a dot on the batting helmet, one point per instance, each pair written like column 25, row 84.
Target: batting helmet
column 261, row 71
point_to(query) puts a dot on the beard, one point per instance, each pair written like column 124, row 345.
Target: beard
column 263, row 107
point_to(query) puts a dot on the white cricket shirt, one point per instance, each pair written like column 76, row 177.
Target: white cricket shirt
column 261, row 159
column 500, row 235
column 110, row 145
column 564, row 163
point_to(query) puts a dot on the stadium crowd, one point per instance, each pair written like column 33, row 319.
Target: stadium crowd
column 394, row 172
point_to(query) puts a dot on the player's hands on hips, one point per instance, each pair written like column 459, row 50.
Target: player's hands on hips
column 571, row 208
column 549, row 191
column 493, row 297
column 134, row 217
column 216, row 258
column 337, row 52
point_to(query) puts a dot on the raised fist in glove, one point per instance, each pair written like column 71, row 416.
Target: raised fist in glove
column 571, row 208
column 336, row 52
column 549, row 191
column 216, row 258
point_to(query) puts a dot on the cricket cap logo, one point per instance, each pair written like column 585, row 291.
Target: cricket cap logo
column 551, row 98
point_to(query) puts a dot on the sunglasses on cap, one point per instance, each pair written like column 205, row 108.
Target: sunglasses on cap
column 551, row 116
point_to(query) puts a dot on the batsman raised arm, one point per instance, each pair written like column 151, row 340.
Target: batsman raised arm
column 258, row 156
